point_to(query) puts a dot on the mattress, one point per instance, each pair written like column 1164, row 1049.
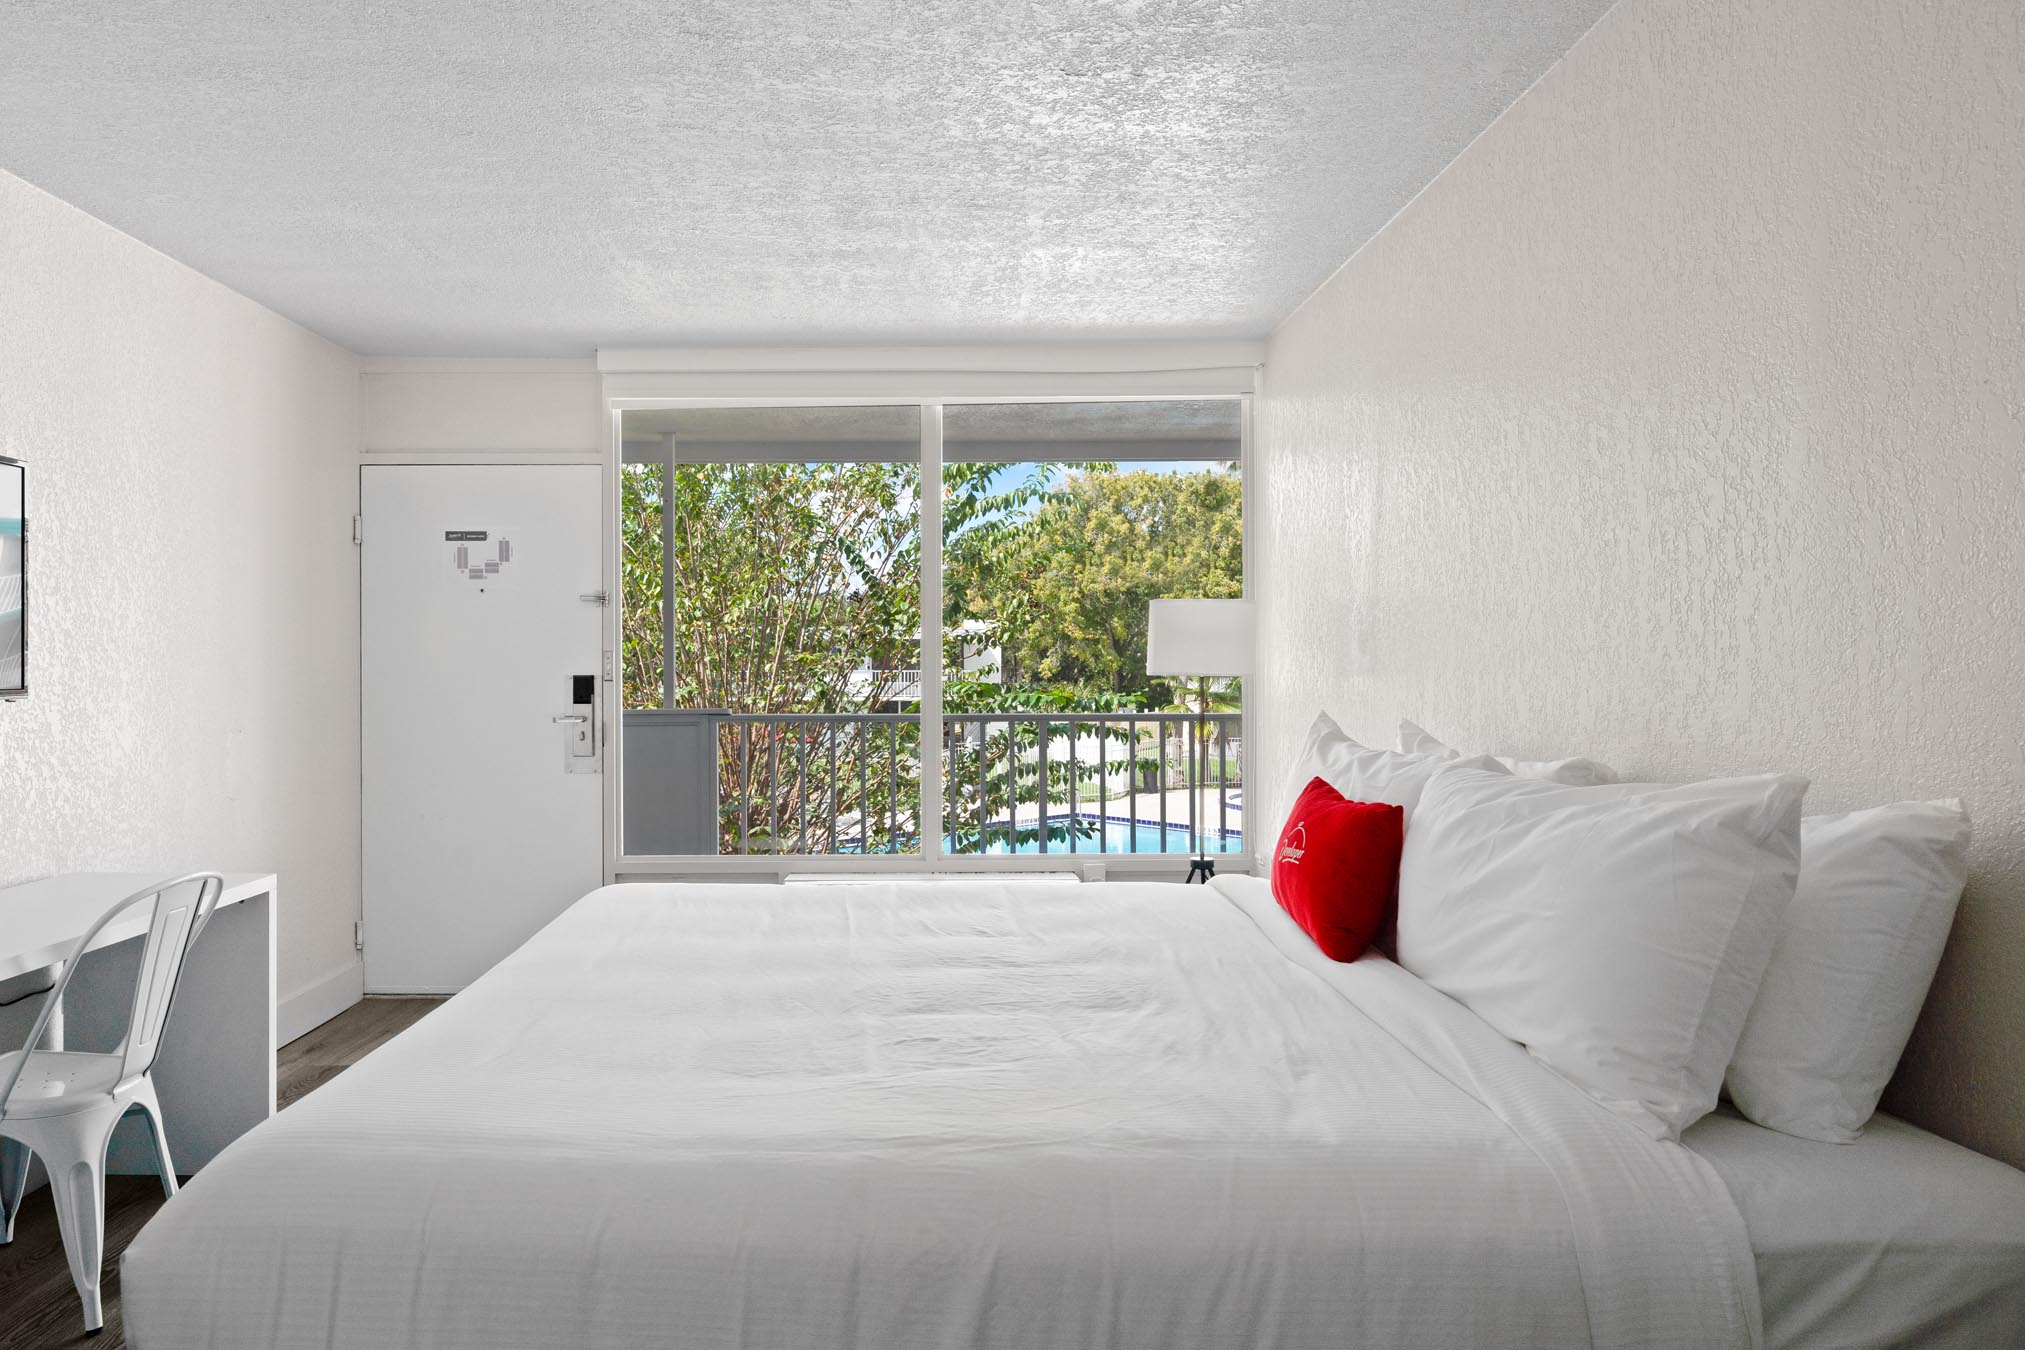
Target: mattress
column 1899, row 1239
column 1118, row 1117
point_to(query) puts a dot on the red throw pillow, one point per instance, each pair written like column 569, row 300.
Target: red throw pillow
column 1336, row 868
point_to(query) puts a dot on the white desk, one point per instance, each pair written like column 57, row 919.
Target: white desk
column 215, row 1073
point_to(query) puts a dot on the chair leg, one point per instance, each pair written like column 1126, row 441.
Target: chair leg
column 77, row 1185
column 14, row 1160
column 150, row 1108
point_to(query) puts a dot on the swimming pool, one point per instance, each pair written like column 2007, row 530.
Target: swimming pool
column 1119, row 835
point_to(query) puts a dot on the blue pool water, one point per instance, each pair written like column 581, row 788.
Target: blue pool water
column 1123, row 837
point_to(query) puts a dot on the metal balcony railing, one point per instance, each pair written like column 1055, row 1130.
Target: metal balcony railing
column 705, row 780
column 1047, row 782
column 864, row 798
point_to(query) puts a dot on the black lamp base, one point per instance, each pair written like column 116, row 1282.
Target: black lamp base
column 1200, row 869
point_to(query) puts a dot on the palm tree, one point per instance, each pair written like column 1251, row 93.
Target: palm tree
column 1198, row 699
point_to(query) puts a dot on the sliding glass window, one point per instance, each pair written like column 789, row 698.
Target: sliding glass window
column 770, row 564
column 1061, row 522
column 772, row 592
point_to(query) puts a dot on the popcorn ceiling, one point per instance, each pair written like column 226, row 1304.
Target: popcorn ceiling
column 541, row 179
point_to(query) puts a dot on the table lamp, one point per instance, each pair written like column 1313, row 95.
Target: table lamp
column 1199, row 640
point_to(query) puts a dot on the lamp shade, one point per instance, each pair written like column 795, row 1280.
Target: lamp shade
column 1199, row 637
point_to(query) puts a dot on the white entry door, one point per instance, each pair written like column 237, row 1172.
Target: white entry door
column 481, row 635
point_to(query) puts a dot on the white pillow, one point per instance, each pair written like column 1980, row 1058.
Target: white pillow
column 1576, row 772
column 1618, row 932
column 1358, row 772
column 1849, row 972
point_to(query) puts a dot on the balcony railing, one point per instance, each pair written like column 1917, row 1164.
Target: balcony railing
column 707, row 781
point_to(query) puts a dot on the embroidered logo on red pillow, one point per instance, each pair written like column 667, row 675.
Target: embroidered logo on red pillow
column 1336, row 868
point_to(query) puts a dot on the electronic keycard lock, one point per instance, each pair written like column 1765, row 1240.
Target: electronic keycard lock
column 580, row 726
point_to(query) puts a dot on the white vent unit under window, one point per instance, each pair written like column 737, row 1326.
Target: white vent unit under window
column 918, row 878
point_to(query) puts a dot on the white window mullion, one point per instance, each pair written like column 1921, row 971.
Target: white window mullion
column 931, row 631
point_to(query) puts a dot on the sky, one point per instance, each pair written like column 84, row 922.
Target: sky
column 1013, row 472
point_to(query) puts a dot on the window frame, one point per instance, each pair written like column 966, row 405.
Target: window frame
column 631, row 392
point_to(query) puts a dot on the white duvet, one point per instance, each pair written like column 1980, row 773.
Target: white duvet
column 985, row 1116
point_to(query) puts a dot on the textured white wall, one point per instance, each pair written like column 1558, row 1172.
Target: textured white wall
column 482, row 406
column 193, row 641
column 1678, row 422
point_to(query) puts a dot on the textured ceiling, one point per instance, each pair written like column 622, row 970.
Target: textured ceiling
column 543, row 178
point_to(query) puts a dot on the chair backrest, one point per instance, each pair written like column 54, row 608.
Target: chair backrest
column 178, row 910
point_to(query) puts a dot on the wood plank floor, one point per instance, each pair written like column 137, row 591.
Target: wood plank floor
column 38, row 1303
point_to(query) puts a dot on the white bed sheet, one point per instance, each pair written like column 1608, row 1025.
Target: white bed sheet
column 1900, row 1239
column 1127, row 1117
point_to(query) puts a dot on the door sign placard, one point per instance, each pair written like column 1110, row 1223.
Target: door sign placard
column 479, row 556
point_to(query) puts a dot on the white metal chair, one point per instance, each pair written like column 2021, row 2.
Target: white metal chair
column 63, row 1105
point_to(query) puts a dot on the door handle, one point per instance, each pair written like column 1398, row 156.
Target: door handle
column 582, row 729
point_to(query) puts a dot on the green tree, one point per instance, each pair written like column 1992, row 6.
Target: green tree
column 641, row 575
column 1069, row 604
column 987, row 526
column 986, row 511
column 794, row 589
column 790, row 589
column 791, row 581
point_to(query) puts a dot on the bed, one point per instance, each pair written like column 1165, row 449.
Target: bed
column 981, row 1115
column 1899, row 1239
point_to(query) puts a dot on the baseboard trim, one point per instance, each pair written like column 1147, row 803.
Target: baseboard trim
column 316, row 1003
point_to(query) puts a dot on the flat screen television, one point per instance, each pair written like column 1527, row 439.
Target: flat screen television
column 13, row 578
